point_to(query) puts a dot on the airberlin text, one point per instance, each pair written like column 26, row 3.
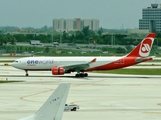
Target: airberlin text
column 35, row 62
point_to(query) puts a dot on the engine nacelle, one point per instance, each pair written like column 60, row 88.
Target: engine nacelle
column 58, row 70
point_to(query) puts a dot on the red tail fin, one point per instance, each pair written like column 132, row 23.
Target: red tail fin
column 144, row 47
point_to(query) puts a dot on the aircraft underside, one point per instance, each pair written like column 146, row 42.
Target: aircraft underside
column 78, row 74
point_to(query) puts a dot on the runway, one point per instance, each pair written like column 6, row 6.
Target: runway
column 100, row 96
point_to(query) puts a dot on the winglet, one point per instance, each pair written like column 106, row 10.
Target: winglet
column 94, row 60
column 53, row 108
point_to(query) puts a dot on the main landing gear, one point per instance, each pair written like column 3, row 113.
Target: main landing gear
column 26, row 73
column 81, row 75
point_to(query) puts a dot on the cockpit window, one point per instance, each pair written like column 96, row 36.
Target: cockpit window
column 16, row 61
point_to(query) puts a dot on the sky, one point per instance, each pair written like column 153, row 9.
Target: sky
column 112, row 14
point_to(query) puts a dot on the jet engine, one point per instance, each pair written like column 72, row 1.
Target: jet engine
column 58, row 70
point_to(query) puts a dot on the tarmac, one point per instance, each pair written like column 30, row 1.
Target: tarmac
column 100, row 96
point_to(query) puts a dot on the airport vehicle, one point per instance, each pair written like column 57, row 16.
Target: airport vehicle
column 53, row 108
column 35, row 42
column 63, row 65
column 71, row 107
column 55, row 43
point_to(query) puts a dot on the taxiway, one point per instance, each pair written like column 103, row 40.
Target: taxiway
column 100, row 96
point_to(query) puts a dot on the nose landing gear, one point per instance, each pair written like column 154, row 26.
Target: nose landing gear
column 26, row 73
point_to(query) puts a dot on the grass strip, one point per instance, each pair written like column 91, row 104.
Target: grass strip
column 2, row 81
column 139, row 71
column 6, row 61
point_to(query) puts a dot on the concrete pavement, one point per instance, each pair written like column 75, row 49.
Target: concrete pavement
column 100, row 96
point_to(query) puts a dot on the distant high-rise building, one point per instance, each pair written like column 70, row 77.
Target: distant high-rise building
column 61, row 24
column 87, row 22
column 69, row 24
column 151, row 18
column 55, row 24
column 75, row 24
column 95, row 24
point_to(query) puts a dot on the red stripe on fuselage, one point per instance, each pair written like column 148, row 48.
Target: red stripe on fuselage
column 121, row 63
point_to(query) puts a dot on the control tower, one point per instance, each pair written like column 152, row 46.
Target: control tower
column 151, row 18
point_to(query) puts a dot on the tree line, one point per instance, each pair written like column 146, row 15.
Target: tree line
column 86, row 36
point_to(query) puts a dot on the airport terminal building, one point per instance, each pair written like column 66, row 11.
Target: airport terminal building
column 75, row 24
column 151, row 18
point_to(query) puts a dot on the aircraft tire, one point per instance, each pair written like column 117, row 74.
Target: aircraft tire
column 81, row 75
column 77, row 75
column 85, row 74
column 74, row 109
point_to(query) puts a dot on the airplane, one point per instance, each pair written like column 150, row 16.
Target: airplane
column 53, row 108
column 63, row 65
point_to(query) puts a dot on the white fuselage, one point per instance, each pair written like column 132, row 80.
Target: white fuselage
column 46, row 63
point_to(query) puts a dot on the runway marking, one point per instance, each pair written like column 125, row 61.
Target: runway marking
column 90, row 83
column 116, row 84
column 159, row 104
column 23, row 97
column 152, row 112
column 93, row 84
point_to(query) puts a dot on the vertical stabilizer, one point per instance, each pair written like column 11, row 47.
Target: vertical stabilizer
column 53, row 108
column 144, row 47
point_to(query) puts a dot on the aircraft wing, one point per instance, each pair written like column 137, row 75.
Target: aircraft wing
column 78, row 66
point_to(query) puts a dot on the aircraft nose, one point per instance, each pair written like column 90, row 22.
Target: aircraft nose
column 12, row 64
